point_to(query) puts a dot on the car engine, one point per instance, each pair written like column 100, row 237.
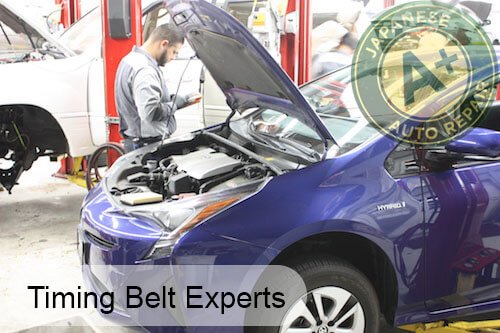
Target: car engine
column 198, row 169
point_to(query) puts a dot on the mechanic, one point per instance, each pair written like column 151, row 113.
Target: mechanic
column 145, row 107
column 341, row 56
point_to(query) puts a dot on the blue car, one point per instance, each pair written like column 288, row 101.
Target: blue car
column 375, row 228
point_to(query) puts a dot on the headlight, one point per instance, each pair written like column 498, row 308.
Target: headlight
column 183, row 220
column 178, row 217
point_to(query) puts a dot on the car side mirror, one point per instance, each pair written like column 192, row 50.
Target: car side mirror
column 478, row 141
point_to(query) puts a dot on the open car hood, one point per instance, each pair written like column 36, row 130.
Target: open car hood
column 241, row 66
column 19, row 24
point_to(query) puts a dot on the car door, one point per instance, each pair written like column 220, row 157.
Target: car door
column 409, row 242
column 462, row 232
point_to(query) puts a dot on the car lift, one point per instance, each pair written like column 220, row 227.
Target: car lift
column 122, row 30
column 70, row 13
column 115, row 47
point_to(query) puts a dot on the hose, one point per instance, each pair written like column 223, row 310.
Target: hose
column 94, row 160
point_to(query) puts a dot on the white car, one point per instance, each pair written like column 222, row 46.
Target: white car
column 52, row 91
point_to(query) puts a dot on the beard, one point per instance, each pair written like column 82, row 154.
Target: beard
column 163, row 59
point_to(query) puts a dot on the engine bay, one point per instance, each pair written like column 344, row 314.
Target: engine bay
column 207, row 163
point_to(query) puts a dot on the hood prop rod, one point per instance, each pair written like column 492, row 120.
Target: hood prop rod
column 231, row 115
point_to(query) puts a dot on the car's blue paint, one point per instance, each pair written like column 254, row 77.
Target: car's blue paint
column 337, row 195
column 479, row 141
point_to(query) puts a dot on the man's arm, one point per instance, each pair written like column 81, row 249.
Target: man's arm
column 147, row 97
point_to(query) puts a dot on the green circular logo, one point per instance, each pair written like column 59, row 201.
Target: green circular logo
column 424, row 72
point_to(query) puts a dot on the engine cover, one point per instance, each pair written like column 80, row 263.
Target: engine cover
column 205, row 163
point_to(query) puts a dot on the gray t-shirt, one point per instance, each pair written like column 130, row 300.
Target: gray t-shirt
column 142, row 99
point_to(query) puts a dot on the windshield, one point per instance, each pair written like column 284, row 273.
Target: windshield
column 85, row 34
column 241, row 10
column 16, row 36
column 333, row 100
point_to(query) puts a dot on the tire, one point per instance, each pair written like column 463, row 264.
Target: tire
column 331, row 280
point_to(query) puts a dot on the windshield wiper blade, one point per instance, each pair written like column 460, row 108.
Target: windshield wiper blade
column 272, row 141
column 305, row 150
column 263, row 138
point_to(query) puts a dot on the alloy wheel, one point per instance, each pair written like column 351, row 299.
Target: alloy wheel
column 325, row 310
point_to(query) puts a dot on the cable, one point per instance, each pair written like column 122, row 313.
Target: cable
column 175, row 98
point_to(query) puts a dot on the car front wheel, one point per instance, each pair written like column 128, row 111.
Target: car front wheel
column 339, row 298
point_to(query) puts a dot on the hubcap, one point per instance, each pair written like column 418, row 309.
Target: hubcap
column 325, row 310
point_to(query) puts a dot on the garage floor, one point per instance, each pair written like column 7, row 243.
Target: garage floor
column 38, row 247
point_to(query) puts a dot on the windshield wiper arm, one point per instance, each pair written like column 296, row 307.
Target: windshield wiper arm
column 48, row 48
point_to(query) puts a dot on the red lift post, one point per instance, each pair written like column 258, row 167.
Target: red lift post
column 113, row 52
column 296, row 54
column 70, row 13
column 305, row 41
column 290, row 43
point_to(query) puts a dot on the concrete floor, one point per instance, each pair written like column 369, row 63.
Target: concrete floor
column 38, row 247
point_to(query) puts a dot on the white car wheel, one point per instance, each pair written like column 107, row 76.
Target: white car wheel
column 325, row 310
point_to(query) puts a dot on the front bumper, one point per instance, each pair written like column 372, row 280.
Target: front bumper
column 111, row 237
column 108, row 243
column 112, row 243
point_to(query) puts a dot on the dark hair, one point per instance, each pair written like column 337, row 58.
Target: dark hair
column 350, row 40
column 168, row 32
